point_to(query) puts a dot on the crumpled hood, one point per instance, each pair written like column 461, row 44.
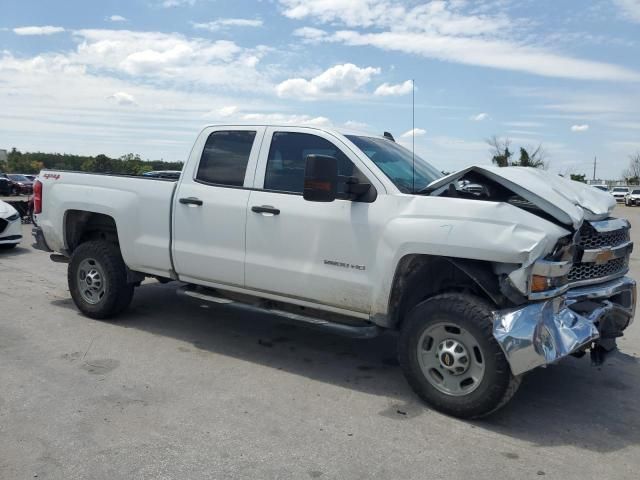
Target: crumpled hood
column 6, row 210
column 567, row 201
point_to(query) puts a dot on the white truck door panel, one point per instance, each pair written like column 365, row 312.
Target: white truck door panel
column 210, row 206
column 322, row 252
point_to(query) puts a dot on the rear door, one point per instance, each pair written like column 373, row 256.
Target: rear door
column 210, row 206
column 318, row 252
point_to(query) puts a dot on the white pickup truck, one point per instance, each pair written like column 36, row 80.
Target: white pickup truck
column 341, row 231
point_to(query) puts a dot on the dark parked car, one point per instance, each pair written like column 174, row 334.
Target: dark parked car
column 21, row 184
column 5, row 185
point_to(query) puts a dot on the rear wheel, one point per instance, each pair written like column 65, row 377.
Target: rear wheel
column 451, row 359
column 97, row 278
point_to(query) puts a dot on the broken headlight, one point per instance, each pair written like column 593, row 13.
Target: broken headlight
column 551, row 273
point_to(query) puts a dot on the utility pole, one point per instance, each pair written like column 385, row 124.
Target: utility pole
column 594, row 167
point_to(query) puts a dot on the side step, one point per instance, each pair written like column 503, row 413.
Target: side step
column 353, row 331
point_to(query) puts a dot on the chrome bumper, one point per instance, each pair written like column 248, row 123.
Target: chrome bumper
column 544, row 332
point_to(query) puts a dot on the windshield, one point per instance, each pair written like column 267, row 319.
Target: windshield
column 620, row 189
column 18, row 178
column 396, row 163
column 636, row 192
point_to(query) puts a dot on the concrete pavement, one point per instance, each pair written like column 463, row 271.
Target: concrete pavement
column 180, row 389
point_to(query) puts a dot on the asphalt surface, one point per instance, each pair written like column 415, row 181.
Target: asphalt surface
column 180, row 389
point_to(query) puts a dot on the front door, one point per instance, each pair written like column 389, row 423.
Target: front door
column 318, row 252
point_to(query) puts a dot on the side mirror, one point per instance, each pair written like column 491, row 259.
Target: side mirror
column 320, row 178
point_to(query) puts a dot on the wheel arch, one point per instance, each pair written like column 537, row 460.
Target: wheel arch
column 81, row 226
column 418, row 277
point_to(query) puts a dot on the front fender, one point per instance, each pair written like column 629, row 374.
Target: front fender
column 459, row 228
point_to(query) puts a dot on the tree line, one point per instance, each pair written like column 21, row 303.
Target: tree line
column 129, row 164
column 502, row 156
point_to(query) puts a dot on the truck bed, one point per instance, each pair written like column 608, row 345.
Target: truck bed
column 140, row 207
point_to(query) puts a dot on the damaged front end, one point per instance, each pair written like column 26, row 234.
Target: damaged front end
column 574, row 298
column 586, row 317
column 581, row 299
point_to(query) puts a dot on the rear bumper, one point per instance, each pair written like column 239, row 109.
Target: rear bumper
column 543, row 332
column 39, row 242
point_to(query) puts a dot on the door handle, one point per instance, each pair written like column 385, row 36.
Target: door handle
column 265, row 209
column 191, row 201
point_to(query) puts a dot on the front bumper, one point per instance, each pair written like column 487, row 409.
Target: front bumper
column 543, row 332
column 12, row 233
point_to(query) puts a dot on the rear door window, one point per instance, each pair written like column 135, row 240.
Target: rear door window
column 225, row 157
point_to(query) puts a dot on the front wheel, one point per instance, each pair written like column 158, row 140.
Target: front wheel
column 97, row 278
column 451, row 359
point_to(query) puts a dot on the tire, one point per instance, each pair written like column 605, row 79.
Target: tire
column 443, row 322
column 108, row 292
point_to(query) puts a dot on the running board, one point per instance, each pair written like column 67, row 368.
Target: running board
column 353, row 331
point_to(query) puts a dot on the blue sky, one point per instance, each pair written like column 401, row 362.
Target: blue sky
column 143, row 76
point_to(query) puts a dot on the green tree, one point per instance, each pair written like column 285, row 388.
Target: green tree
column 129, row 164
column 102, row 164
column 534, row 160
column 501, row 154
column 579, row 177
column 632, row 173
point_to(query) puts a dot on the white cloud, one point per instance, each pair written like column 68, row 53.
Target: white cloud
column 228, row 22
column 163, row 123
column 310, row 34
column 236, row 113
column 43, row 30
column 524, row 124
column 122, row 98
column 355, row 125
column 339, row 80
column 169, row 58
column 287, row 119
column 630, row 9
column 116, row 18
column 497, row 53
column 479, row 117
column 387, row 89
column 579, row 128
column 177, row 3
column 227, row 111
column 446, row 32
column 415, row 132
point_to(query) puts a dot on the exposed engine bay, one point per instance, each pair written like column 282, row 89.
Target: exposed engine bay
column 476, row 186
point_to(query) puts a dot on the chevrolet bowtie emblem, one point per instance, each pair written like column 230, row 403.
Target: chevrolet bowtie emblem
column 604, row 256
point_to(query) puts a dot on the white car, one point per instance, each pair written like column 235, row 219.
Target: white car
column 619, row 193
column 632, row 198
column 10, row 226
column 345, row 232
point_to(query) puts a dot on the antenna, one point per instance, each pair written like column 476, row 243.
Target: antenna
column 595, row 162
column 413, row 135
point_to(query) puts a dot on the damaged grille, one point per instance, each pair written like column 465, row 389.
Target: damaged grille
column 3, row 224
column 590, row 239
column 585, row 271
